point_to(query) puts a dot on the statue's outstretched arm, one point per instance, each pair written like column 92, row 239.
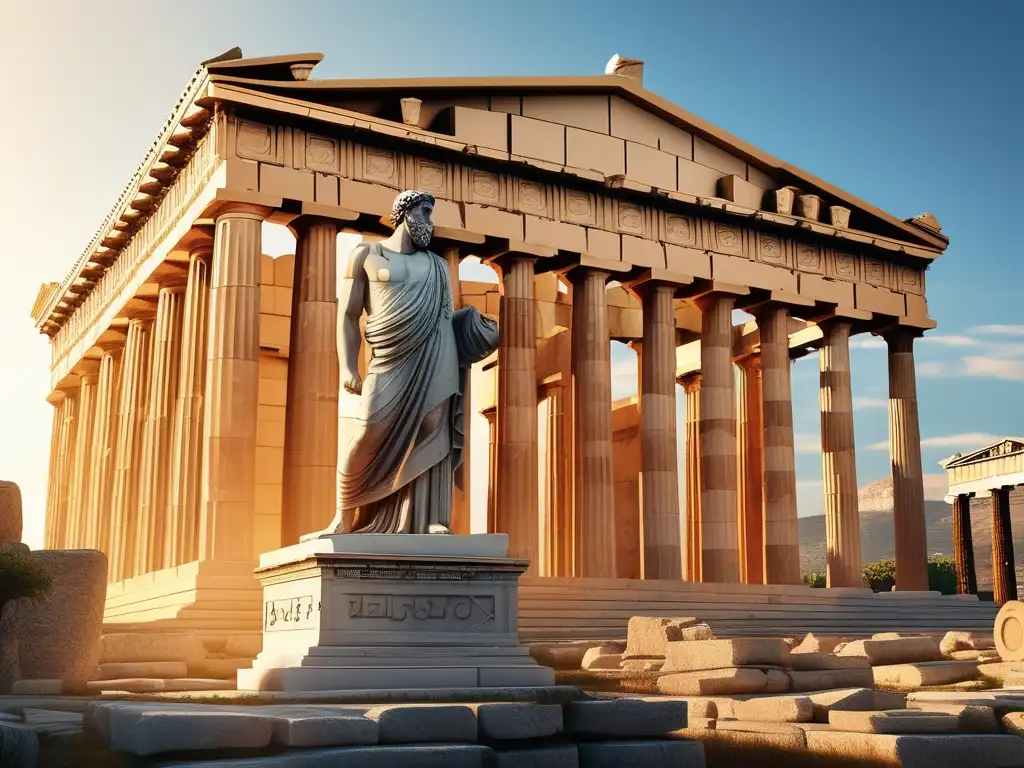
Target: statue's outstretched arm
column 351, row 302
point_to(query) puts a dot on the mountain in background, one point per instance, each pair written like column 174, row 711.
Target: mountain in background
column 876, row 530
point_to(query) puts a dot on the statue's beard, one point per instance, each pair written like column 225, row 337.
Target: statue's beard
column 420, row 231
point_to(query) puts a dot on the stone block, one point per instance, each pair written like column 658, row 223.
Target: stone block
column 828, row 679
column 957, row 641
column 518, row 720
column 899, row 721
column 643, row 253
column 813, row 643
column 688, row 261
column 647, row 636
column 776, row 681
column 713, row 682
column 742, row 271
column 844, row 699
column 693, row 655
column 218, row 669
column 162, row 669
column 58, row 636
column 594, row 659
column 557, row 756
column 825, row 289
column 907, row 676
column 713, row 156
column 785, row 738
column 740, row 191
column 243, row 646
column 413, row 756
column 289, row 183
column 697, row 179
column 816, row 662
column 641, row 754
column 296, row 727
column 1013, row 722
column 650, row 166
column 568, row 655
column 152, row 684
column 143, row 731
column 589, row 112
column 595, row 152
column 37, row 687
column 901, row 650
column 10, row 512
column 912, row 751
column 881, row 300
column 405, row 724
column 480, row 128
column 19, row 746
column 625, row 717
column 538, row 139
column 643, row 665
column 776, row 709
column 970, row 718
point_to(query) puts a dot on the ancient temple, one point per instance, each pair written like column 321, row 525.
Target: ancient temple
column 195, row 403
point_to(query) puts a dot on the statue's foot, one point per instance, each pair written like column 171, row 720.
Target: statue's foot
column 438, row 528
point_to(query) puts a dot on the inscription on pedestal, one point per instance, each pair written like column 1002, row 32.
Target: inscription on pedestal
column 422, row 572
column 294, row 613
column 455, row 612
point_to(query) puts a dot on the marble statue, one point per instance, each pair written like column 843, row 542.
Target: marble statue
column 401, row 429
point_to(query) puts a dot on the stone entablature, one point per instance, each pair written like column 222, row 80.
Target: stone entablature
column 999, row 464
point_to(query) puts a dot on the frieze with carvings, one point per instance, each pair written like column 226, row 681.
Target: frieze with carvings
column 911, row 280
column 808, row 257
column 533, row 198
column 291, row 613
column 876, row 272
column 680, row 229
column 771, row 249
column 462, row 613
column 843, row 265
column 257, row 141
column 484, row 187
column 629, row 218
column 322, row 154
column 578, row 207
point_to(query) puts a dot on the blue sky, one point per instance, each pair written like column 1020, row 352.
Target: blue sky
column 913, row 106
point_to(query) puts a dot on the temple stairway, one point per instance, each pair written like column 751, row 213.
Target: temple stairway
column 599, row 609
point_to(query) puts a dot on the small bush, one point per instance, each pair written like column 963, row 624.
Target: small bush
column 815, row 579
column 881, row 575
column 21, row 576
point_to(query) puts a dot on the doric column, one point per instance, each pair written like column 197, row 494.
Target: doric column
column 181, row 540
column 230, row 412
column 104, row 448
column 311, row 418
column 82, row 464
column 963, row 546
column 517, row 495
column 165, row 356
column 750, row 439
column 718, row 470
column 594, row 477
column 56, row 400
column 558, row 466
column 124, row 495
column 691, row 386
column 1004, row 572
column 491, row 414
column 659, row 470
column 781, row 534
column 460, row 522
column 838, row 457
column 905, row 455
column 69, row 436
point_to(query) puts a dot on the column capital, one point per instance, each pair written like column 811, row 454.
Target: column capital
column 241, row 204
column 111, row 339
column 759, row 302
column 702, row 289
column 705, row 300
column 239, row 210
column 496, row 248
column 199, row 237
column 899, row 336
column 304, row 222
column 654, row 280
column 502, row 261
column 175, row 283
column 87, row 368
column 750, row 363
column 56, row 397
column 691, row 381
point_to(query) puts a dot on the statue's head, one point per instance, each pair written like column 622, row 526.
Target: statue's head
column 414, row 209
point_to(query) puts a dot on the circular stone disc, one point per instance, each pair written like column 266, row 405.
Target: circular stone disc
column 1009, row 631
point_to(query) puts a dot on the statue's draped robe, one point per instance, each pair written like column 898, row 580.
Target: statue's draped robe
column 405, row 446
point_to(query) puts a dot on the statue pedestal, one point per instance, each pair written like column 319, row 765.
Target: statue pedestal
column 391, row 611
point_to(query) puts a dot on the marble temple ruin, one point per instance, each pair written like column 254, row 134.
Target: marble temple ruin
column 195, row 381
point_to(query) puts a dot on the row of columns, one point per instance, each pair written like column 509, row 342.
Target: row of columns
column 1004, row 573
column 154, row 451
column 741, row 523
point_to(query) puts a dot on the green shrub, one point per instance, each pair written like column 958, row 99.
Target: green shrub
column 21, row 576
column 881, row 575
column 815, row 579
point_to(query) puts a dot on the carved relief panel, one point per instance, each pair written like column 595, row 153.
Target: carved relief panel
column 257, row 141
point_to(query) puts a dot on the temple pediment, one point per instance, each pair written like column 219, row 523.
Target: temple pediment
column 1005, row 447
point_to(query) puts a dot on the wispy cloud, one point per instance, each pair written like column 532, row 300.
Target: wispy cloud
column 869, row 402
column 804, row 443
column 994, row 368
column 1004, row 330
column 961, row 440
column 931, row 369
column 951, row 341
column 867, row 342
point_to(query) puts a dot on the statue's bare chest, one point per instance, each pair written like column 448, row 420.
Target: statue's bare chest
column 389, row 273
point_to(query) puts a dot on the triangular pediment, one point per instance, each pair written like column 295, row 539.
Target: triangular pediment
column 1004, row 447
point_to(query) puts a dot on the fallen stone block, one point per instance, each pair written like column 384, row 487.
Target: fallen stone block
column 37, row 687
column 217, row 669
column 899, row 650
column 956, row 641
column 19, row 746
column 594, row 659
column 696, row 632
column 127, row 647
column 979, row 656
column 813, row 643
column 775, row 709
column 783, row 737
column 161, row 669
column 713, row 682
column 898, row 721
column 304, row 728
column 643, row 665
column 687, row 656
column 909, row 676
column 153, row 684
column 560, row 656
column 970, row 719
column 886, row 700
column 829, row 679
column 912, row 751
column 1013, row 722
column 557, row 756
column 1001, row 672
column 507, row 720
column 144, row 731
column 625, row 717
column 641, row 754
column 821, row 662
column 844, row 699
column 425, row 723
column 646, row 636
column 776, row 681
column 58, row 635
column 378, row 756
